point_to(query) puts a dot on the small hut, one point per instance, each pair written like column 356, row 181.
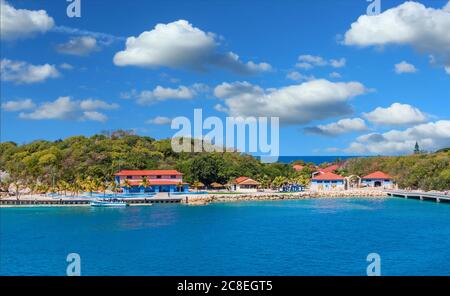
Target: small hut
column 216, row 186
column 198, row 185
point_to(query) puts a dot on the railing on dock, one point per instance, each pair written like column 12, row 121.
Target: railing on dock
column 74, row 201
column 438, row 197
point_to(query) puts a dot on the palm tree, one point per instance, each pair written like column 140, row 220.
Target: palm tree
column 89, row 185
column 179, row 186
column 144, row 182
column 42, row 188
column 62, row 186
column 78, row 185
column 102, row 186
column 265, row 181
column 197, row 184
column 126, row 183
column 113, row 186
column 279, row 181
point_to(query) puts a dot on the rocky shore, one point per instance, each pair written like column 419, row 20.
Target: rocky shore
column 261, row 196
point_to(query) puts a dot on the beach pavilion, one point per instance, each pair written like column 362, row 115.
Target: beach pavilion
column 244, row 184
column 378, row 179
column 327, row 181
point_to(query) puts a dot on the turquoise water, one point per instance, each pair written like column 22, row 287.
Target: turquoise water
column 306, row 237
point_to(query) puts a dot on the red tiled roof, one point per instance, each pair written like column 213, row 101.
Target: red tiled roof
column 328, row 176
column 298, row 167
column 249, row 181
column 147, row 172
column 153, row 182
column 241, row 179
column 329, row 169
column 377, row 175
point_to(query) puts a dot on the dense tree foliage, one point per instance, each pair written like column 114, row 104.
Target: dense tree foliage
column 100, row 156
column 417, row 171
column 81, row 163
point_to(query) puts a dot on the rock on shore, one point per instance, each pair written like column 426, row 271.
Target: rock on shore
column 208, row 198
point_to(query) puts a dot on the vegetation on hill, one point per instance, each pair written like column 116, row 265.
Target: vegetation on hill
column 89, row 163
column 417, row 171
column 100, row 156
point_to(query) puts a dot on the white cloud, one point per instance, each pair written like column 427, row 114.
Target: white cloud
column 302, row 103
column 335, row 75
column 338, row 63
column 430, row 136
column 160, row 93
column 65, row 108
column 103, row 39
column 126, row 95
column 304, row 66
column 91, row 104
column 297, row 76
column 404, row 67
column 313, row 60
column 411, row 23
column 343, row 126
column 396, row 114
column 66, row 66
column 22, row 23
column 94, row 116
column 22, row 72
column 220, row 108
column 159, row 120
column 14, row 106
column 78, row 46
column 165, row 93
column 308, row 61
column 447, row 69
column 180, row 45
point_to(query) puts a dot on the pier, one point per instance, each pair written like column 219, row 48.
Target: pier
column 84, row 201
column 419, row 195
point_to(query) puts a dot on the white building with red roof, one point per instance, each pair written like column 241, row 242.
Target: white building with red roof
column 157, row 181
column 244, row 184
column 327, row 181
column 378, row 179
column 328, row 169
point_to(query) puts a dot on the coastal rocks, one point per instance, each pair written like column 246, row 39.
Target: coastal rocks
column 361, row 193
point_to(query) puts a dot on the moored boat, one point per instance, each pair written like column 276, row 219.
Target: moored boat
column 108, row 203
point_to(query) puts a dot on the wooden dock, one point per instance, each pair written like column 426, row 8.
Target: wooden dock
column 85, row 201
column 419, row 195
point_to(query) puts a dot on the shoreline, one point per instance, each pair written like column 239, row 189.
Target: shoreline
column 196, row 200
column 213, row 198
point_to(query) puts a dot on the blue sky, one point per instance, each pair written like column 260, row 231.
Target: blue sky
column 342, row 82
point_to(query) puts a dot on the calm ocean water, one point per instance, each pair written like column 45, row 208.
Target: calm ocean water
column 305, row 237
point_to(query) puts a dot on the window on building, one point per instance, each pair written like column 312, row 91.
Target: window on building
column 173, row 177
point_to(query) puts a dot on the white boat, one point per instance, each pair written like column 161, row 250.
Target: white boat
column 108, row 203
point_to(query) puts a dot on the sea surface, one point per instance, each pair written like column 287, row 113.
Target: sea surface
column 302, row 237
